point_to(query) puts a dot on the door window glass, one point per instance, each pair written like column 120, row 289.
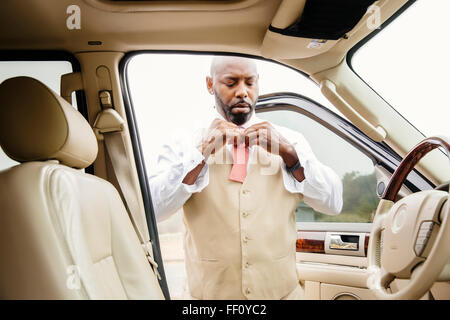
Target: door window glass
column 353, row 167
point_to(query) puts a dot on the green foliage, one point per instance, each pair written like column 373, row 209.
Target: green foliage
column 359, row 201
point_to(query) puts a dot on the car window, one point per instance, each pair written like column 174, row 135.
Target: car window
column 169, row 97
column 411, row 74
column 48, row 72
column 354, row 168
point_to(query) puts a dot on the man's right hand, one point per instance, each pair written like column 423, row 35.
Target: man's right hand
column 218, row 134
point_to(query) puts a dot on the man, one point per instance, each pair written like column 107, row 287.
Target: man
column 239, row 185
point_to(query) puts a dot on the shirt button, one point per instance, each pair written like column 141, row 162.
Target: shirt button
column 244, row 214
column 247, row 264
column 246, row 239
column 247, row 291
column 245, row 192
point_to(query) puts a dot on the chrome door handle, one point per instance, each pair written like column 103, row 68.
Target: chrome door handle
column 337, row 243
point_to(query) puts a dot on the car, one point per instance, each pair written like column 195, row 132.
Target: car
column 91, row 89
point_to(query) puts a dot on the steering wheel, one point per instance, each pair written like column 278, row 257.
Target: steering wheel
column 410, row 238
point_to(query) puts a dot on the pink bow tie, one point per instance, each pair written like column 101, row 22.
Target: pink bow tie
column 240, row 158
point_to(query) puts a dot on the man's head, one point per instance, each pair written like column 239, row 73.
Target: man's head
column 234, row 83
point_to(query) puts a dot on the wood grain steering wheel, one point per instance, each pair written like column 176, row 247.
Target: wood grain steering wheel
column 410, row 238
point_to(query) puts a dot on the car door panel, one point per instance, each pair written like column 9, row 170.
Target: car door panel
column 332, row 269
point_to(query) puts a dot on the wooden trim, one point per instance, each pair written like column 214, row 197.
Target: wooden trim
column 311, row 241
column 314, row 242
column 366, row 244
column 410, row 160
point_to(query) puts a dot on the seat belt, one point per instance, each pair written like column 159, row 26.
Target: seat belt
column 108, row 126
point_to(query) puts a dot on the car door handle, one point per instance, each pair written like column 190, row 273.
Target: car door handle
column 337, row 242
column 345, row 243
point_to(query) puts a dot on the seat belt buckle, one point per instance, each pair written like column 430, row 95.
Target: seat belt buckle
column 149, row 253
column 107, row 121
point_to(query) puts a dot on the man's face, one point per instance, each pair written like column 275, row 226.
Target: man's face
column 234, row 83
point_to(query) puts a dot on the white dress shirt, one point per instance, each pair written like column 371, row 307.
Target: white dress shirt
column 321, row 188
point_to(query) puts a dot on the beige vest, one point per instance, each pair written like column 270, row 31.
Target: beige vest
column 240, row 238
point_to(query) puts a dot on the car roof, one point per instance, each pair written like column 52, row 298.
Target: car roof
column 239, row 26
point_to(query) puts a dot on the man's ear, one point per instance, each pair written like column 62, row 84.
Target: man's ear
column 209, row 85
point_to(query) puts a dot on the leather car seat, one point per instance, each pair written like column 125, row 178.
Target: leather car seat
column 64, row 234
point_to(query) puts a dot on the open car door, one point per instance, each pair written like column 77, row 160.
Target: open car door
column 332, row 250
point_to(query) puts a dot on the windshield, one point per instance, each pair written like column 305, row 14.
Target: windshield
column 408, row 64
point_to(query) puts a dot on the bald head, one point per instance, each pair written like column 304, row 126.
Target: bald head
column 234, row 83
column 221, row 64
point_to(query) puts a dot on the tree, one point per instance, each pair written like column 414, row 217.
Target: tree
column 359, row 200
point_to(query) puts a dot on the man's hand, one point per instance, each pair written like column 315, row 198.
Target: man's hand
column 219, row 133
column 267, row 137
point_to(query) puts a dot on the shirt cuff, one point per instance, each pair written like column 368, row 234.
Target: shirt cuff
column 195, row 158
column 290, row 182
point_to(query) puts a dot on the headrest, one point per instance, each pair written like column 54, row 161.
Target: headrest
column 37, row 124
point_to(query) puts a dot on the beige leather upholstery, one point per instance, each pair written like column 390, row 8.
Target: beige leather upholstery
column 64, row 234
column 37, row 124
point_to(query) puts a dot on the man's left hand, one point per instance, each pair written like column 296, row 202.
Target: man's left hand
column 267, row 137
